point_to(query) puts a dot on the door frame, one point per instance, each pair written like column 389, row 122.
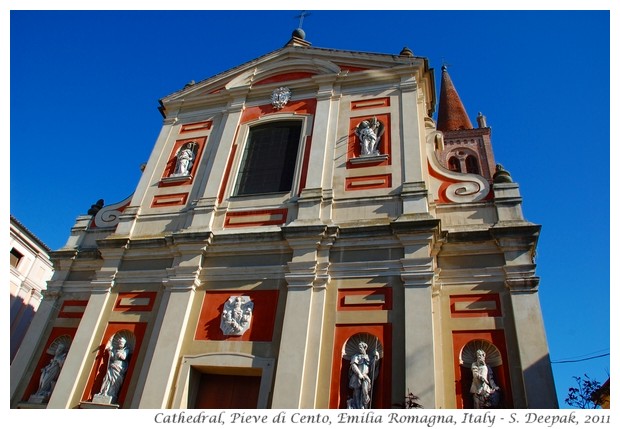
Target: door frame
column 224, row 362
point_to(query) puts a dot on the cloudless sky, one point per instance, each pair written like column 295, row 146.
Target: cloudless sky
column 85, row 85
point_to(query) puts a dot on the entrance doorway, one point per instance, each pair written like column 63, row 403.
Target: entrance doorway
column 227, row 391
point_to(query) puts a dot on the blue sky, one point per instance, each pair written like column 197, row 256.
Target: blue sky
column 84, row 91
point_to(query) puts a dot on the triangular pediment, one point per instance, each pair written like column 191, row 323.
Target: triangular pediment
column 290, row 63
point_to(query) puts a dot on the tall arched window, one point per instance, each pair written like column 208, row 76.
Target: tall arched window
column 454, row 164
column 471, row 163
column 268, row 163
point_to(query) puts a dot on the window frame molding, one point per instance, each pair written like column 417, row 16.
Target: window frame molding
column 242, row 141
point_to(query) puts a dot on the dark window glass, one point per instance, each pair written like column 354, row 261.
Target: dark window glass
column 472, row 164
column 15, row 257
column 268, row 163
column 454, row 164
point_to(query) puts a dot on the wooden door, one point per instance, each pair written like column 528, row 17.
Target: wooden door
column 227, row 391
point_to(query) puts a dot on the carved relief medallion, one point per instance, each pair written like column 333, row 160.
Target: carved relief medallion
column 280, row 96
column 237, row 315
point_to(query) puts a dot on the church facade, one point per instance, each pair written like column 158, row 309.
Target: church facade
column 304, row 235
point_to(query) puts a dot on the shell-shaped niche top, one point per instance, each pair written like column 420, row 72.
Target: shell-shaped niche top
column 130, row 339
column 468, row 353
column 65, row 340
column 351, row 347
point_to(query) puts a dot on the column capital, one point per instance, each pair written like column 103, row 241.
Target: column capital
column 181, row 280
column 523, row 285
column 102, row 286
column 521, row 279
column 417, row 272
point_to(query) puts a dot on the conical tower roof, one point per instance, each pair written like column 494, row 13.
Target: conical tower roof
column 452, row 114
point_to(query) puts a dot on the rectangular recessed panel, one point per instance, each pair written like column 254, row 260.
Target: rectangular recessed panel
column 367, row 104
column 475, row 305
column 72, row 309
column 135, row 301
column 368, row 182
column 169, row 200
column 364, row 299
column 256, row 218
column 196, row 126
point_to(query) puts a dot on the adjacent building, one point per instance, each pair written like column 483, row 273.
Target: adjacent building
column 302, row 217
column 30, row 269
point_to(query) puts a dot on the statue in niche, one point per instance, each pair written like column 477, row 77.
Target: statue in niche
column 483, row 388
column 118, row 361
column 369, row 132
column 184, row 160
column 49, row 373
column 363, row 371
column 237, row 315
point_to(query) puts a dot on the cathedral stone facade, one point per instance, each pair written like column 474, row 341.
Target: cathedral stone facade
column 304, row 235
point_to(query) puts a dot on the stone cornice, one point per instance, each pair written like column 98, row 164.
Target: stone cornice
column 524, row 285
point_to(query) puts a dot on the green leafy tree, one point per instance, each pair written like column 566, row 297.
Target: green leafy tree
column 580, row 396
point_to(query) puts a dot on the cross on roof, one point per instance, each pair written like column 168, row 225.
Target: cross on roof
column 301, row 17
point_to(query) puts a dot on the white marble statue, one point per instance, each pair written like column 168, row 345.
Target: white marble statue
column 483, row 388
column 369, row 132
column 237, row 315
column 362, row 373
column 184, row 161
column 118, row 355
column 50, row 372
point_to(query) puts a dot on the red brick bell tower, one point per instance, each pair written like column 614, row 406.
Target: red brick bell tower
column 466, row 149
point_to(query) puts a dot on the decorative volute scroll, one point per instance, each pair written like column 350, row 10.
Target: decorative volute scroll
column 453, row 187
column 109, row 216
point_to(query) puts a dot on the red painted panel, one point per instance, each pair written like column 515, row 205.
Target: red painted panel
column 301, row 107
column 360, row 183
column 490, row 297
column 284, row 77
column 384, row 292
column 463, row 375
column 278, row 219
column 263, row 316
column 354, row 149
column 196, row 126
column 351, row 69
column 99, row 367
column 170, row 200
column 44, row 359
column 339, row 387
column 171, row 163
